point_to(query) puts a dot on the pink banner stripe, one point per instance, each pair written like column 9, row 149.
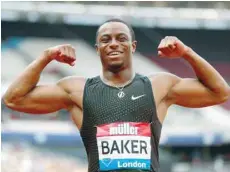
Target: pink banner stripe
column 124, row 129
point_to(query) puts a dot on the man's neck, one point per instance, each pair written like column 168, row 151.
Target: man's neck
column 119, row 78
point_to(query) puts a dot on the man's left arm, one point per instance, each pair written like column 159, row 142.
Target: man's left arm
column 209, row 88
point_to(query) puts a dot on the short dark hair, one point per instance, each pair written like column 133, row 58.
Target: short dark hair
column 120, row 21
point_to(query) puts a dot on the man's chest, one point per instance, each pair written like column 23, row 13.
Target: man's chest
column 110, row 105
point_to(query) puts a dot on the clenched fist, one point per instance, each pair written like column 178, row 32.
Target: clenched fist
column 171, row 47
column 62, row 53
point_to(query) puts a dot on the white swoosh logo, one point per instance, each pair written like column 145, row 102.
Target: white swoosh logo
column 135, row 98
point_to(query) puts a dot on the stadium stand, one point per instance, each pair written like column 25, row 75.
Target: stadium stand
column 192, row 140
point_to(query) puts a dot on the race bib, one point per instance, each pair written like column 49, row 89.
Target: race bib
column 124, row 145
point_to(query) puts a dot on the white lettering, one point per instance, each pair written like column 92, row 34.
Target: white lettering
column 123, row 129
column 131, row 164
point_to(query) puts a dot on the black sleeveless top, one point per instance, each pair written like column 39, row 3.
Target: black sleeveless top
column 120, row 134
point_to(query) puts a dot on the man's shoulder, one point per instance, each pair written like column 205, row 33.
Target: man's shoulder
column 71, row 79
column 72, row 83
column 162, row 76
column 163, row 81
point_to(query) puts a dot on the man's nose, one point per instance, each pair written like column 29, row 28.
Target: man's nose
column 114, row 44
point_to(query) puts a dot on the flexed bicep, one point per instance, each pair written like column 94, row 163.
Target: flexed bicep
column 209, row 88
column 191, row 92
column 42, row 99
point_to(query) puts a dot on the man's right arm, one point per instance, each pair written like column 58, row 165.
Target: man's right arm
column 24, row 94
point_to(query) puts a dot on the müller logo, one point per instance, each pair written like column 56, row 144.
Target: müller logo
column 124, row 128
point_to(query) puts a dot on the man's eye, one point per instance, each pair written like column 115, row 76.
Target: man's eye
column 122, row 39
column 104, row 40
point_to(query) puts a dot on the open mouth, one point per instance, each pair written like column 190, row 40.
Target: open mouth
column 115, row 53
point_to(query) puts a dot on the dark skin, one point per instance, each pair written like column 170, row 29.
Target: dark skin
column 116, row 69
column 209, row 88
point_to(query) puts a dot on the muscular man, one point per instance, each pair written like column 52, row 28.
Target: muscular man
column 119, row 113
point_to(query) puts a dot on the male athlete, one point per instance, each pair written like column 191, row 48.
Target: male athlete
column 119, row 113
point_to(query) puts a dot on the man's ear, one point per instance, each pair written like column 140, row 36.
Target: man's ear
column 134, row 46
column 96, row 47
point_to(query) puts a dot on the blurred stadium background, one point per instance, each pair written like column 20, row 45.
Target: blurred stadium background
column 193, row 140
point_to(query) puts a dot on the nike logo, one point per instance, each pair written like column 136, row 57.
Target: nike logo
column 135, row 98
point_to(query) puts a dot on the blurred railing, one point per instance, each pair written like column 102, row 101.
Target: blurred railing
column 23, row 157
column 150, row 16
column 212, row 166
column 174, row 4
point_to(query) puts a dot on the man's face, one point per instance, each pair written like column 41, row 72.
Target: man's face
column 115, row 45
